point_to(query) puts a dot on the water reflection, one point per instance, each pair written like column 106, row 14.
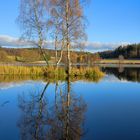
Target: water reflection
column 65, row 110
column 62, row 119
column 129, row 74
column 19, row 79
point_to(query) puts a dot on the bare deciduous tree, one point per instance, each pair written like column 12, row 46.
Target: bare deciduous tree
column 68, row 23
column 33, row 19
column 66, row 19
column 72, row 15
column 57, row 30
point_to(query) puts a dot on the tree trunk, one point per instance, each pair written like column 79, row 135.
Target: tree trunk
column 67, row 39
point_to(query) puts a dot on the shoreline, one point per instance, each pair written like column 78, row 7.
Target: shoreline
column 100, row 63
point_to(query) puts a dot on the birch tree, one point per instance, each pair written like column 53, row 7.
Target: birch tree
column 67, row 19
column 57, row 30
column 70, row 15
column 33, row 20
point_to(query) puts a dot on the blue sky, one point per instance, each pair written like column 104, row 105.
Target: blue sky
column 114, row 20
column 109, row 21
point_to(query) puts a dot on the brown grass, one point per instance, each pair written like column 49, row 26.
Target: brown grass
column 51, row 72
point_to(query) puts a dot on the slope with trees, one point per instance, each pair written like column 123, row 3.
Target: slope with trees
column 131, row 51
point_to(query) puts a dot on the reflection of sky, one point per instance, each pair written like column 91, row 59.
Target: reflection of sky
column 9, row 111
column 113, row 108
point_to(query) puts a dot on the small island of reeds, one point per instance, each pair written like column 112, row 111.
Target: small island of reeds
column 52, row 72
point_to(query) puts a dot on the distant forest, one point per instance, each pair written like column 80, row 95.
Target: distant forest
column 127, row 52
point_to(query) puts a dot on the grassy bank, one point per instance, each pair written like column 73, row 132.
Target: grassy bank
column 51, row 72
column 116, row 61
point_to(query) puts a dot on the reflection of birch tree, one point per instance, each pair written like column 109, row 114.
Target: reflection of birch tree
column 66, row 122
column 34, row 116
column 62, row 120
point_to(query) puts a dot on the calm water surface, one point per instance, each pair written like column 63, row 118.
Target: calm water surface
column 72, row 110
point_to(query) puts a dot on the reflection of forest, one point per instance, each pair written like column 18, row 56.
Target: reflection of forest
column 130, row 74
column 62, row 119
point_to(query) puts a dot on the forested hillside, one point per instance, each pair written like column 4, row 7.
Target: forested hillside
column 128, row 52
column 33, row 54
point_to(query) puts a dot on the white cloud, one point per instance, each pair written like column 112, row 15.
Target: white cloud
column 99, row 46
column 13, row 42
column 8, row 41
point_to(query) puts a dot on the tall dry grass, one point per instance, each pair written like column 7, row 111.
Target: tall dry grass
column 52, row 72
column 20, row 70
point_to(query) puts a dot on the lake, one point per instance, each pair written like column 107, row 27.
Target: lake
column 40, row 109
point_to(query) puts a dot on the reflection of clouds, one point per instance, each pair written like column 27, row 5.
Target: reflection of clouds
column 112, row 78
column 7, row 85
column 4, row 86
